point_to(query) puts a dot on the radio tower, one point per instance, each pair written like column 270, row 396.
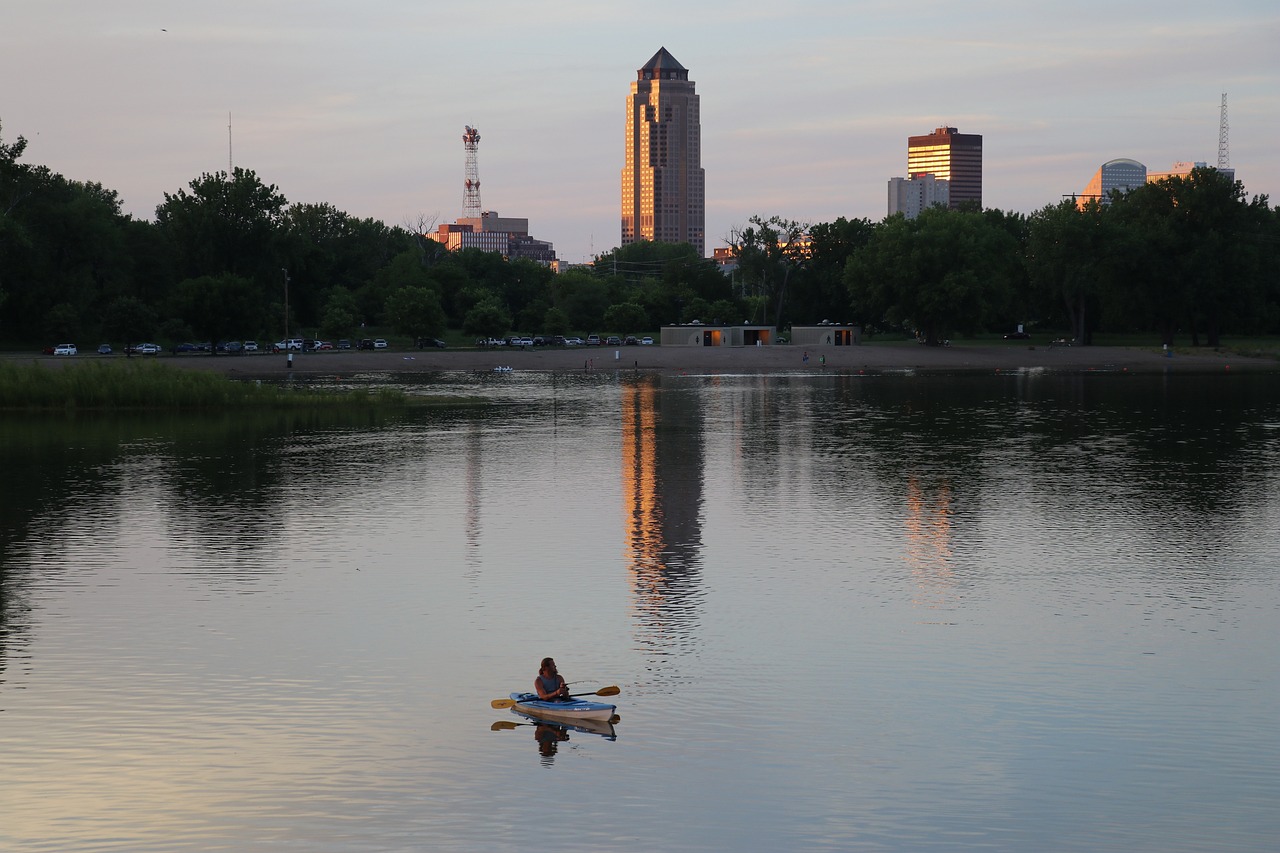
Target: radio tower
column 471, row 186
column 1224, row 153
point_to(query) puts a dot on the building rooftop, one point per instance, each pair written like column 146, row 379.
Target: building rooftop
column 662, row 66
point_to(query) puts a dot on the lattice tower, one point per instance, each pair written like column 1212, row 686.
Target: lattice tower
column 1224, row 152
column 471, row 185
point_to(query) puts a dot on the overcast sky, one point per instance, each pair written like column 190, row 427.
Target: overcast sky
column 806, row 107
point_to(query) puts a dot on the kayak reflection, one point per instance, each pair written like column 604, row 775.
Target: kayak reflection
column 549, row 734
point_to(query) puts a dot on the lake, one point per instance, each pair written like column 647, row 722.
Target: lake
column 886, row 612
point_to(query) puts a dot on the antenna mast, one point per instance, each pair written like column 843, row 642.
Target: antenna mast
column 230, row 161
column 1224, row 152
column 471, row 186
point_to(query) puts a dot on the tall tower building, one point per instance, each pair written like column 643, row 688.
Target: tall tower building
column 949, row 156
column 662, row 181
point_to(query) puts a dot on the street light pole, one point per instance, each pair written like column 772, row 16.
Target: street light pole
column 288, row 349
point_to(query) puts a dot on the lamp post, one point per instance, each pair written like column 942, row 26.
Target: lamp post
column 287, row 348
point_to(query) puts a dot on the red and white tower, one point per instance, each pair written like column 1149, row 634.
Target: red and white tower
column 471, row 186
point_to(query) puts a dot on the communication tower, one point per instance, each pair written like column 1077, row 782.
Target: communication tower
column 471, row 186
column 1224, row 153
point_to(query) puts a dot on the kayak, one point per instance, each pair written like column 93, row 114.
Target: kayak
column 604, row 728
column 570, row 709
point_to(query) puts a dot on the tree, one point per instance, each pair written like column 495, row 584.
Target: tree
column 129, row 320
column 941, row 272
column 227, row 224
column 1066, row 263
column 769, row 251
column 626, row 317
column 416, row 311
column 218, row 307
column 488, row 319
column 340, row 315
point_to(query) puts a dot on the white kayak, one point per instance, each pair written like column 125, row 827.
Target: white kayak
column 568, row 709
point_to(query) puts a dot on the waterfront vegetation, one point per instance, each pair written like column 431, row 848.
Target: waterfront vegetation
column 1189, row 260
column 142, row 385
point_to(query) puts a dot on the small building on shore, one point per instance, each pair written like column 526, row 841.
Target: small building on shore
column 697, row 334
column 826, row 334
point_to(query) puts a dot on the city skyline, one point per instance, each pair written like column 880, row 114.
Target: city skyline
column 803, row 112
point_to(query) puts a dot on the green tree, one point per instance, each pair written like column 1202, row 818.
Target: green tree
column 226, row 224
column 941, row 272
column 218, row 307
column 769, row 252
column 487, row 319
column 129, row 320
column 341, row 314
column 416, row 311
column 626, row 317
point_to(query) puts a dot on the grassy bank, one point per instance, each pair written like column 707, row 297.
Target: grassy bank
column 149, row 385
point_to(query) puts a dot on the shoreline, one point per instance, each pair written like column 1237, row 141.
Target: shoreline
column 876, row 358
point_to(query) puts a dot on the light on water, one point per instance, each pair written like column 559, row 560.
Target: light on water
column 1026, row 612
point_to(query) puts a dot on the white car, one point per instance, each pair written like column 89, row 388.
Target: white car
column 646, row 341
column 147, row 349
column 379, row 343
column 250, row 346
column 65, row 349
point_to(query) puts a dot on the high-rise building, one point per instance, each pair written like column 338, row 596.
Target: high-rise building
column 1123, row 175
column 952, row 157
column 910, row 196
column 662, row 181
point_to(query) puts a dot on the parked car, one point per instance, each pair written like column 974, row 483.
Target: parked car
column 432, row 342
column 185, row 348
column 646, row 341
column 104, row 349
column 593, row 340
column 573, row 342
column 631, row 341
column 1017, row 336
column 613, row 341
column 250, row 346
column 523, row 342
column 147, row 349
column 379, row 343
column 344, row 344
column 291, row 343
column 232, row 346
column 65, row 349
column 365, row 343
column 319, row 345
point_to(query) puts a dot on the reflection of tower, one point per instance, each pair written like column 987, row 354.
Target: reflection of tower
column 471, row 185
column 928, row 551
column 662, row 496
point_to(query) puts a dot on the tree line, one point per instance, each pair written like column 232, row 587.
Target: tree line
column 229, row 257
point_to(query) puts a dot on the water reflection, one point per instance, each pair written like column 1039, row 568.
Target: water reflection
column 928, row 551
column 662, row 484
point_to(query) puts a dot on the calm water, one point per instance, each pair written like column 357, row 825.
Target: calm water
column 890, row 613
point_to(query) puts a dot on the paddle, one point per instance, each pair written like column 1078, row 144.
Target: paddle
column 499, row 704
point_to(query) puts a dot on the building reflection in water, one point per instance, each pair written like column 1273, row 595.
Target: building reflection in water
column 929, row 536
column 662, row 494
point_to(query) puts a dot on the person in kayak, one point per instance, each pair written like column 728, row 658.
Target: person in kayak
column 549, row 683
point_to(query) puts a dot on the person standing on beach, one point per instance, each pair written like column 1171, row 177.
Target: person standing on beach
column 805, row 357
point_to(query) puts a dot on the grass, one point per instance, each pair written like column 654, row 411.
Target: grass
column 149, row 385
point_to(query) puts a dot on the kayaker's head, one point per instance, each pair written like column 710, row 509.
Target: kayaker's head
column 549, row 666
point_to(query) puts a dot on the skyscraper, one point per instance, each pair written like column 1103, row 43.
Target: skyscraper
column 1122, row 174
column 662, row 181
column 949, row 156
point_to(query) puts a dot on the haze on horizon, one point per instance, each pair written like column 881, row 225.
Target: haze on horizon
column 805, row 109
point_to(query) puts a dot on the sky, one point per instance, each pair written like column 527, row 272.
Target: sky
column 806, row 107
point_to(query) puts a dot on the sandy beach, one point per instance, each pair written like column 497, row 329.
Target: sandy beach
column 864, row 358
